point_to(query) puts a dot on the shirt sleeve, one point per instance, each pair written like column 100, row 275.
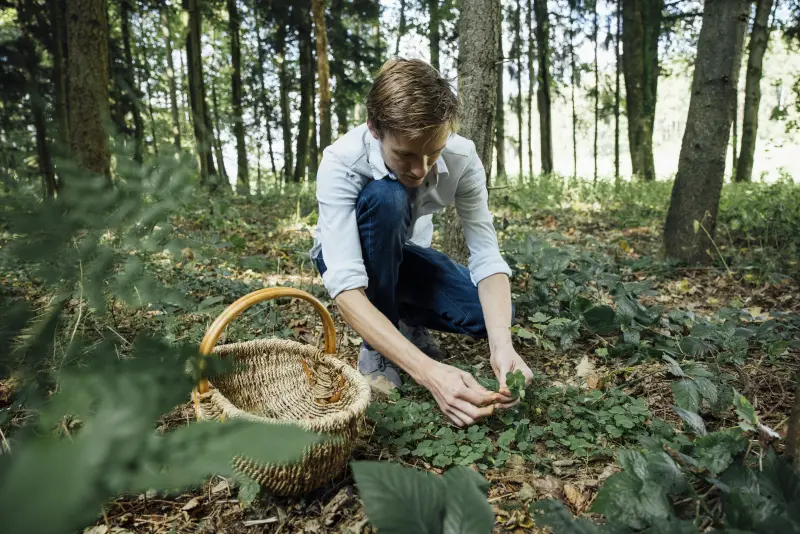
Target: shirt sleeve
column 337, row 191
column 472, row 206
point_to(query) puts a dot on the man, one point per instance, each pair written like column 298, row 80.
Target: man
column 377, row 187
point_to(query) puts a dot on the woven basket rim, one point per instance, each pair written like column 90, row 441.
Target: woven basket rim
column 332, row 422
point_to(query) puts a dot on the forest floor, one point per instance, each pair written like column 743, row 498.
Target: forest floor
column 235, row 246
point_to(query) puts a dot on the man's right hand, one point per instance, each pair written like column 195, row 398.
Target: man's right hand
column 458, row 394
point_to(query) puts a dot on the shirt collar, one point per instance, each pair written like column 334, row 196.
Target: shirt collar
column 380, row 171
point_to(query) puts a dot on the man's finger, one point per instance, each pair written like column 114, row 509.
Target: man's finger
column 476, row 393
column 459, row 419
column 472, row 411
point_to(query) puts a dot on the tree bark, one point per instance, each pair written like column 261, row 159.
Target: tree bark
column 87, row 50
column 434, row 31
column 543, row 80
column 131, row 92
column 323, row 74
column 500, row 115
column 234, row 25
column 531, row 77
column 216, row 137
column 313, row 144
column 573, row 82
column 640, row 34
column 286, row 120
column 401, row 27
column 596, row 90
column 149, row 89
column 306, row 71
column 692, row 215
column 59, row 70
column 618, row 65
column 173, row 92
column 477, row 93
column 338, row 34
column 759, row 39
column 518, row 105
column 266, row 109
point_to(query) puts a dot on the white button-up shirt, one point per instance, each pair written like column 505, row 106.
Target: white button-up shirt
column 354, row 160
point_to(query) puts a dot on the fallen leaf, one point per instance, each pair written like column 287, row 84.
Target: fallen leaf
column 574, row 497
column 222, row 485
column 526, row 492
column 191, row 505
column 548, row 486
column 381, row 386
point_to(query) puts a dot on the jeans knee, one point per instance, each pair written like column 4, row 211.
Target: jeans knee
column 387, row 199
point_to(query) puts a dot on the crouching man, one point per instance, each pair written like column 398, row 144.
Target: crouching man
column 377, row 188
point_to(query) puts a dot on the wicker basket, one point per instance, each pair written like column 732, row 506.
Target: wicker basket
column 280, row 381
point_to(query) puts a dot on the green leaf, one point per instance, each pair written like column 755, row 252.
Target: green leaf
column 744, row 409
column 399, row 500
column 553, row 514
column 694, row 421
column 673, row 367
column 707, row 389
column 694, row 346
column 538, row 317
column 466, row 508
column 626, row 499
column 716, row 450
column 600, row 319
column 209, row 302
column 686, row 394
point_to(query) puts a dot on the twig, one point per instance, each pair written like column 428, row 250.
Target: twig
column 254, row 522
column 6, row 446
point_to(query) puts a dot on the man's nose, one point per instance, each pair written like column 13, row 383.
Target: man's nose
column 420, row 168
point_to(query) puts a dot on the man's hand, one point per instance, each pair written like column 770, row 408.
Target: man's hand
column 459, row 395
column 504, row 361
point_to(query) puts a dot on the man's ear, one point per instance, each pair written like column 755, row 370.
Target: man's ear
column 372, row 130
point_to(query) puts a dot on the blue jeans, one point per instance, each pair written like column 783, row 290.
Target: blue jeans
column 420, row 286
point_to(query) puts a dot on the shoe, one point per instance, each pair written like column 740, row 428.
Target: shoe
column 419, row 337
column 372, row 365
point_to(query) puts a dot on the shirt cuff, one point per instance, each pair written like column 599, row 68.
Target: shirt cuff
column 487, row 269
column 344, row 279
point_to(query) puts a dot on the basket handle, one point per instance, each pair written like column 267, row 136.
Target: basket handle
column 231, row 312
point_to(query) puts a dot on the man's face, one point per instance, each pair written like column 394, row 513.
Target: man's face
column 411, row 159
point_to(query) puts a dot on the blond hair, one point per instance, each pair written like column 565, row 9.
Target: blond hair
column 410, row 97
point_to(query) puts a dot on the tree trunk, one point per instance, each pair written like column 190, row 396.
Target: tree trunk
column 793, row 433
column 500, row 115
column 543, row 79
column 692, row 215
column 641, row 31
column 531, row 76
column 434, row 31
column 149, row 89
column 59, row 70
column 759, row 38
column 173, row 92
column 242, row 174
column 306, row 71
column 401, row 27
column 337, row 66
column 87, row 51
column 323, row 74
column 204, row 138
column 596, row 91
column 478, row 68
column 572, row 84
column 265, row 106
column 286, row 120
column 313, row 145
column 518, row 106
column 185, row 91
column 131, row 92
column 216, row 137
column 618, row 65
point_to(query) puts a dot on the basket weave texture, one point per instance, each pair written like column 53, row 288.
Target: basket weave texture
column 270, row 384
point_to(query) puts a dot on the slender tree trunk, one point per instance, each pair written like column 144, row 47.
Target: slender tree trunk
column 59, row 70
column 500, row 115
column 234, row 25
column 518, row 104
column 265, row 104
column 203, row 134
column 618, row 65
column 149, row 89
column 401, row 27
column 306, row 71
column 478, row 68
column 217, row 135
column 173, row 93
column 323, row 74
column 574, row 81
column 692, row 215
column 759, row 39
column 313, row 145
column 641, row 31
column 434, row 31
column 735, row 136
column 286, row 120
column 596, row 90
column 793, row 433
column 340, row 101
column 131, row 91
column 531, row 77
column 185, row 91
column 543, row 78
column 87, row 50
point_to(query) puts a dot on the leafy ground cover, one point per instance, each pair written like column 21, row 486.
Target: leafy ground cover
column 642, row 367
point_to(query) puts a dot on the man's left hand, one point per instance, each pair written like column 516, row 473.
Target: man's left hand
column 505, row 361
